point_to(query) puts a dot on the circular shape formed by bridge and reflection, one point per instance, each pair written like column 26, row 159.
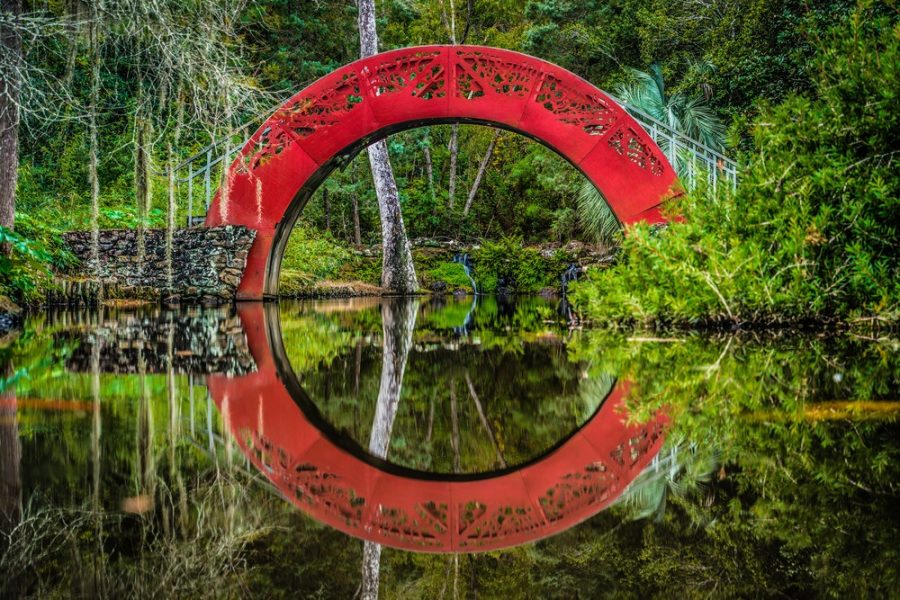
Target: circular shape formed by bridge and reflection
column 325, row 125
column 280, row 431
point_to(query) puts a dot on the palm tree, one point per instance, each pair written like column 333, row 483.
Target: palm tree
column 596, row 218
column 682, row 470
column 687, row 115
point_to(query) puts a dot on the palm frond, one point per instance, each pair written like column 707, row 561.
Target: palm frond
column 700, row 122
column 596, row 218
column 688, row 115
column 643, row 92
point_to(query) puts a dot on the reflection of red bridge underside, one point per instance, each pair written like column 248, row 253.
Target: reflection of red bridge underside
column 576, row 480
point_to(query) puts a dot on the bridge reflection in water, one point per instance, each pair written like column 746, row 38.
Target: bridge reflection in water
column 281, row 432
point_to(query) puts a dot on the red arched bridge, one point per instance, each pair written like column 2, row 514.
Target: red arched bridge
column 326, row 124
column 405, row 509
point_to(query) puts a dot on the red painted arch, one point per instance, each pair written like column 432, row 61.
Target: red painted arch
column 328, row 122
column 394, row 507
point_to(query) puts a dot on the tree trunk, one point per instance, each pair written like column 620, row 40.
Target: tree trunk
column 429, row 169
column 12, row 584
column 454, row 154
column 454, row 427
column 398, row 320
column 481, row 169
column 142, row 193
column 327, row 209
column 357, row 234
column 10, row 479
column 10, row 84
column 354, row 199
column 10, row 459
column 398, row 275
column 484, row 421
column 94, row 134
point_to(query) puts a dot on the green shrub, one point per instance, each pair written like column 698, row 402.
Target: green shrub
column 26, row 270
column 366, row 269
column 521, row 269
column 315, row 253
column 811, row 232
column 451, row 273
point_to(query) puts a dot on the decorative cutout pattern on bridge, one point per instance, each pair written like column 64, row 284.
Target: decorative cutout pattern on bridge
column 399, row 509
column 421, row 72
column 590, row 112
column 307, row 116
column 475, row 71
column 628, row 142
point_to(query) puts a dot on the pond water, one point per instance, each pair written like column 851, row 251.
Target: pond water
column 454, row 447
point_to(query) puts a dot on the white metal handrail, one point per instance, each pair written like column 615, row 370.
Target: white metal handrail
column 691, row 159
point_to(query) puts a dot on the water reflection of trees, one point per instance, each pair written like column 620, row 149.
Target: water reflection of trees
column 802, row 500
column 509, row 384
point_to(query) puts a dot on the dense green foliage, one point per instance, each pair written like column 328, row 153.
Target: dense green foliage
column 727, row 55
column 314, row 260
column 812, row 232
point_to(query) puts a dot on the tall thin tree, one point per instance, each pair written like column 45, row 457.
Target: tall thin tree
column 10, row 88
column 398, row 275
column 398, row 320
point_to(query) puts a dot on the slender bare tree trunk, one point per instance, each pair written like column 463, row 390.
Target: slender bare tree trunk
column 327, row 209
column 481, row 169
column 142, row 193
column 10, row 479
column 10, row 486
column 10, row 459
column 94, row 135
column 398, row 321
column 354, row 198
column 429, row 168
column 357, row 234
column 454, row 427
column 72, row 8
column 484, row 421
column 10, row 83
column 454, row 155
column 398, row 275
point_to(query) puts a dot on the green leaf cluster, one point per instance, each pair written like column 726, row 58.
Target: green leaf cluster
column 509, row 264
column 812, row 231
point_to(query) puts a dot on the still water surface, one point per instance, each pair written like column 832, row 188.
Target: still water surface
column 457, row 448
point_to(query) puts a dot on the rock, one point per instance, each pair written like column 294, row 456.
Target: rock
column 10, row 317
column 575, row 248
column 207, row 264
column 548, row 292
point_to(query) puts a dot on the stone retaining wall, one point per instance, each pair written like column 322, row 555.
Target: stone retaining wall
column 200, row 342
column 207, row 262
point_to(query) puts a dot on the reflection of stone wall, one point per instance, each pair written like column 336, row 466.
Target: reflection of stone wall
column 207, row 262
column 200, row 342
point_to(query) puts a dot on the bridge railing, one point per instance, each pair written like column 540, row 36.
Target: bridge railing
column 693, row 161
column 204, row 170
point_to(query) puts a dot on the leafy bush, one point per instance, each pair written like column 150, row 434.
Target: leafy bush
column 25, row 266
column 812, row 230
column 451, row 273
column 362, row 268
column 518, row 268
column 314, row 253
